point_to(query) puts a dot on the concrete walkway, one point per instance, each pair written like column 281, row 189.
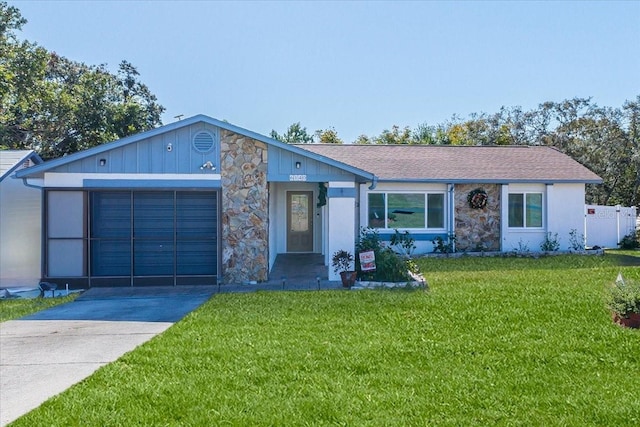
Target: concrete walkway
column 45, row 353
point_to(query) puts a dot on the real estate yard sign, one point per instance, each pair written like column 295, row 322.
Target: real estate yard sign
column 367, row 261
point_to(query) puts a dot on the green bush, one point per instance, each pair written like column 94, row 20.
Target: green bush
column 631, row 241
column 390, row 267
column 368, row 240
column 624, row 297
column 551, row 243
column 403, row 243
column 444, row 247
column 576, row 241
column 341, row 261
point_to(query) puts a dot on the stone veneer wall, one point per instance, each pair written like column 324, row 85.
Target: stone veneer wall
column 245, row 209
column 475, row 227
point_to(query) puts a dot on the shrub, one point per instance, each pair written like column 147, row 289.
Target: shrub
column 551, row 243
column 390, row 267
column 630, row 241
column 624, row 297
column 403, row 243
column 576, row 241
column 442, row 247
column 341, row 261
column 523, row 247
column 368, row 240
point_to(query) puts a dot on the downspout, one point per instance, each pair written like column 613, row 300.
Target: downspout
column 374, row 183
column 42, row 224
column 451, row 219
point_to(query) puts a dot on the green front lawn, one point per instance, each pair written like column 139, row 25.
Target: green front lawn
column 507, row 341
column 16, row 308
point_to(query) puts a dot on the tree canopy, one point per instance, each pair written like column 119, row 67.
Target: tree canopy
column 58, row 106
column 328, row 136
column 295, row 134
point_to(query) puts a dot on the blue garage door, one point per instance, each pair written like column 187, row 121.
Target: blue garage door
column 154, row 237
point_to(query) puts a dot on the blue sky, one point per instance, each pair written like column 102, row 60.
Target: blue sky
column 359, row 67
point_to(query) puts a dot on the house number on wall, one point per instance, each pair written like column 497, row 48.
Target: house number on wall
column 297, row 177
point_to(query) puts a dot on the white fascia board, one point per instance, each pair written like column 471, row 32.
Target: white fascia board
column 342, row 184
column 76, row 180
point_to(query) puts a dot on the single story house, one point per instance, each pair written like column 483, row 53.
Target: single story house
column 201, row 201
column 527, row 192
column 20, row 222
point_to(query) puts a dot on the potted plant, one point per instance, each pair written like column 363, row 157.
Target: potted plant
column 623, row 300
column 342, row 261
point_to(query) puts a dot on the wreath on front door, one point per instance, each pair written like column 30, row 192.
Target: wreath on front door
column 478, row 198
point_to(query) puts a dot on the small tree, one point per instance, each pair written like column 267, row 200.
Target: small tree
column 328, row 136
column 295, row 134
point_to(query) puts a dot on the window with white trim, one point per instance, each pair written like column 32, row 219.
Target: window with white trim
column 406, row 210
column 525, row 210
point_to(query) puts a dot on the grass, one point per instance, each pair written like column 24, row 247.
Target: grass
column 15, row 308
column 507, row 341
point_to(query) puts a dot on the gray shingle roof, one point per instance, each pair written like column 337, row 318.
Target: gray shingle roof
column 498, row 164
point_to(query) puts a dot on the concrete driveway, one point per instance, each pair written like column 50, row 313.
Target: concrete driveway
column 45, row 353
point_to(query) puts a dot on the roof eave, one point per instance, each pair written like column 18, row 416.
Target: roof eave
column 99, row 149
column 188, row 122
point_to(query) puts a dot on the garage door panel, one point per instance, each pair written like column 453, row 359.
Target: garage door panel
column 197, row 257
column 153, row 258
column 111, row 257
column 196, row 232
column 196, row 215
column 111, row 214
column 153, row 214
column 173, row 234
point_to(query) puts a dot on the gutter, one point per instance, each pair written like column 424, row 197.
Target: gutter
column 25, row 182
column 374, row 183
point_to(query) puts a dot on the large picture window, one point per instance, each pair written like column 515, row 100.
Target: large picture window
column 525, row 210
column 406, row 210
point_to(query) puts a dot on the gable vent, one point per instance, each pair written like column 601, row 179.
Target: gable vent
column 203, row 142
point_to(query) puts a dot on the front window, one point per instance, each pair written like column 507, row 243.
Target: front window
column 525, row 210
column 406, row 210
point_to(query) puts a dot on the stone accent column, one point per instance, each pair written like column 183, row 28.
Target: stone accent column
column 477, row 229
column 245, row 209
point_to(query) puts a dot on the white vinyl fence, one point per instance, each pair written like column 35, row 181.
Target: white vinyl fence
column 605, row 226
